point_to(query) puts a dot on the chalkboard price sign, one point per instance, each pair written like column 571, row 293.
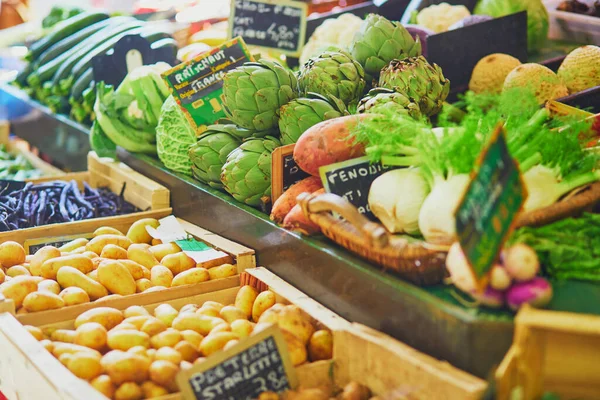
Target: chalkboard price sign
column 33, row 245
column 284, row 170
column 352, row 180
column 258, row 364
column 271, row 24
column 492, row 201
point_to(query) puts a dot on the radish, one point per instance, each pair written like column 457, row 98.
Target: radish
column 489, row 297
column 537, row 293
column 499, row 278
column 460, row 271
column 521, row 262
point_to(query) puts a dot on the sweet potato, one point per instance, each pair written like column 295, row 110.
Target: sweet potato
column 296, row 221
column 327, row 143
column 287, row 200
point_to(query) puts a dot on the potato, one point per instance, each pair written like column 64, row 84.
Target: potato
column 196, row 322
column 271, row 315
column 22, row 311
column 213, row 304
column 153, row 326
column 18, row 288
column 104, row 385
column 141, row 255
column 125, row 367
column 73, row 245
column 320, row 345
column 154, row 289
column 85, row 366
column 93, row 275
column 137, row 232
column 192, row 337
column 178, row 262
column 163, row 373
column 116, row 278
column 92, row 335
column 137, row 320
column 166, row 313
column 97, row 244
column 188, row 308
column 79, row 250
column 35, row 332
column 126, row 339
column 129, row 391
column 40, row 256
column 108, row 298
column 224, row 327
column 230, row 344
column 215, row 342
column 152, row 390
column 17, row 270
column 42, row 301
column 134, row 311
column 143, row 284
column 124, row 326
column 136, row 270
column 65, row 358
column 11, row 253
column 191, row 276
column 2, row 275
column 244, row 299
column 263, row 302
column 69, row 277
column 64, row 335
column 106, row 316
column 113, row 252
column 48, row 344
column 161, row 276
column 151, row 354
column 162, row 250
column 89, row 254
column 232, row 313
column 71, row 348
column 296, row 349
column 74, row 295
column 139, row 350
column 97, row 260
column 243, row 328
column 296, row 322
column 48, row 285
column 168, row 354
column 80, row 262
column 222, row 271
column 187, row 351
column 208, row 311
column 167, row 338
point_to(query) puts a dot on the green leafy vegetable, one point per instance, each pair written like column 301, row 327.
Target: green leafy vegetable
column 174, row 136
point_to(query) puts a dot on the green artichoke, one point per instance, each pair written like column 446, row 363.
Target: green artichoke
column 380, row 41
column 333, row 73
column 246, row 174
column 379, row 99
column 300, row 114
column 254, row 92
column 419, row 80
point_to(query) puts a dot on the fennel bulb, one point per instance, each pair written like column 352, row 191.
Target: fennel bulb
column 437, row 220
column 395, row 198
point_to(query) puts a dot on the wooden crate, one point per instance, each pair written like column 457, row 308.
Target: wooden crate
column 20, row 147
column 552, row 351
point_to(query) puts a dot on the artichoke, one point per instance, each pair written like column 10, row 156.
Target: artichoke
column 333, row 74
column 254, row 92
column 380, row 41
column 419, row 80
column 246, row 174
column 379, row 99
column 300, row 114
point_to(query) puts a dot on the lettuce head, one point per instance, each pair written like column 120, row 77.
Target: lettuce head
column 174, row 136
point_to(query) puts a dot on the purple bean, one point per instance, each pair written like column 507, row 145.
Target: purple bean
column 62, row 204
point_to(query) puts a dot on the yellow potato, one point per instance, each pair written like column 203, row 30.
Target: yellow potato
column 137, row 232
column 137, row 321
column 163, row 373
column 141, row 255
column 107, row 230
column 97, row 260
column 224, row 327
column 42, row 301
column 166, row 313
column 154, row 289
column 104, row 385
column 37, row 279
column 167, row 338
column 152, row 390
column 85, row 366
column 48, row 344
column 48, row 285
column 74, row 295
column 106, row 316
column 151, row 354
column 296, row 349
column 116, row 278
column 89, row 254
column 93, row 275
column 129, row 391
column 124, row 326
column 190, row 277
column 187, row 351
column 232, row 313
column 73, row 245
column 192, row 337
column 109, row 298
column 79, row 250
column 2, row 275
column 64, row 335
column 263, row 302
column 80, row 262
column 271, row 315
column 126, row 339
column 296, row 322
column 146, row 273
column 215, row 342
column 161, row 250
column 17, row 270
column 161, row 276
column 153, row 326
column 40, row 256
column 320, row 345
column 11, row 253
column 230, row 344
column 196, row 322
column 92, row 335
column 65, row 358
column 178, row 262
column 168, row 354
column 35, row 332
column 143, row 284
column 125, row 367
column 97, row 244
column 113, row 252
column 18, row 288
column 139, row 350
column 71, row 348
column 69, row 277
column 222, row 271
column 243, row 328
column 134, row 311
column 244, row 299
column 136, row 270
column 213, row 304
column 208, row 311
column 188, row 308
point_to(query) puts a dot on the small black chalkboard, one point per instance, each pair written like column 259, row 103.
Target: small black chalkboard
column 284, row 171
column 33, row 245
column 271, row 24
column 257, row 364
column 352, row 180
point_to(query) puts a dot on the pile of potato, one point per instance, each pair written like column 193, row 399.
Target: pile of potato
column 110, row 264
column 133, row 354
column 352, row 391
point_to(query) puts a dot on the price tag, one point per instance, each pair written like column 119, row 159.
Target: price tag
column 272, row 24
column 258, row 364
column 492, row 201
column 33, row 245
column 284, row 171
column 197, row 85
column 352, row 180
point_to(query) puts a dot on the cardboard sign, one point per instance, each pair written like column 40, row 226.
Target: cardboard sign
column 197, row 85
column 272, row 24
column 130, row 52
column 284, row 170
column 33, row 245
column 258, row 364
column 352, row 180
column 493, row 199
